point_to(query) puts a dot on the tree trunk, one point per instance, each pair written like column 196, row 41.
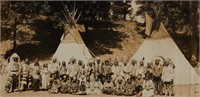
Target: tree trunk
column 193, row 22
column 14, row 35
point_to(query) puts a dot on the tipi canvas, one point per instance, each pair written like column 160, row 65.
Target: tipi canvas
column 72, row 44
column 161, row 44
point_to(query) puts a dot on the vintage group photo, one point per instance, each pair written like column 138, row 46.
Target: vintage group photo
column 124, row 48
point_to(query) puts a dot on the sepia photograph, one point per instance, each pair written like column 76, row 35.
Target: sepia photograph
column 99, row 48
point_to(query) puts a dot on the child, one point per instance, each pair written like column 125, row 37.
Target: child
column 45, row 77
column 148, row 87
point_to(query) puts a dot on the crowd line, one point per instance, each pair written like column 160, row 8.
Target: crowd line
column 111, row 76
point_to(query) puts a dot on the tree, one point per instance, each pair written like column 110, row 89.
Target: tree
column 178, row 17
column 121, row 9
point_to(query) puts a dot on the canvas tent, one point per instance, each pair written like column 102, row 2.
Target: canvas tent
column 72, row 44
column 161, row 44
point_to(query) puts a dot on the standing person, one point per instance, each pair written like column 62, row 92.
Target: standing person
column 82, row 74
column 97, row 66
column 54, row 68
column 116, row 70
column 133, row 67
column 168, row 78
column 126, row 71
column 63, row 69
column 157, row 72
column 24, row 75
column 107, row 71
column 45, row 73
column 148, row 87
column 13, row 72
column 149, row 70
column 36, row 81
column 73, row 68
column 141, row 69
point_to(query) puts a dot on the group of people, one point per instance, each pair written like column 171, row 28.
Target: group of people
column 116, row 77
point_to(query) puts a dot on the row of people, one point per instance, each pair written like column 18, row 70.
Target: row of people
column 96, row 77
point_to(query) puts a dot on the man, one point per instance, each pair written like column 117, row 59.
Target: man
column 129, row 87
column 157, row 72
column 107, row 71
column 82, row 88
column 73, row 68
column 108, row 87
column 54, row 68
column 168, row 78
column 63, row 69
column 139, row 83
column 24, row 75
column 126, row 71
column 64, row 88
column 116, row 70
column 97, row 66
column 141, row 69
column 74, row 86
column 149, row 70
column 13, row 72
column 82, row 74
column 133, row 67
column 119, row 85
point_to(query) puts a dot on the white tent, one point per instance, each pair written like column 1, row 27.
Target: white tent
column 72, row 44
column 66, row 50
column 161, row 44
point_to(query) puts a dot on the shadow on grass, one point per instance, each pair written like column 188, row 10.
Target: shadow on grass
column 43, row 43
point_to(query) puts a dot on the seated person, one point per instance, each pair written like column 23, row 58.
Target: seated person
column 74, row 86
column 65, row 82
column 139, row 83
column 54, row 87
column 82, row 88
column 129, row 87
column 97, row 86
column 119, row 85
column 108, row 87
column 148, row 87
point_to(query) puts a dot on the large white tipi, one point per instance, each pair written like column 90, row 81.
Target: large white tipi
column 72, row 44
column 161, row 44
